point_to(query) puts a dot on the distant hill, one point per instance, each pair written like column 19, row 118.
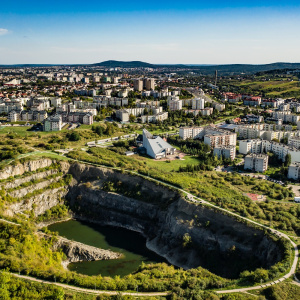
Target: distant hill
column 124, row 64
column 232, row 69
column 204, row 69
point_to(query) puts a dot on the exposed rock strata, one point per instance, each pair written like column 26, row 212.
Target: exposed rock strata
column 19, row 193
column 39, row 203
column 29, row 166
column 18, row 181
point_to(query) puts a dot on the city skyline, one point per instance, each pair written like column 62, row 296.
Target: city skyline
column 255, row 32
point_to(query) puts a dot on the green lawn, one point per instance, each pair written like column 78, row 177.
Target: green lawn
column 168, row 166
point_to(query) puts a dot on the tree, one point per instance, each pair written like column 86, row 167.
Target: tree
column 288, row 160
column 131, row 118
column 74, row 136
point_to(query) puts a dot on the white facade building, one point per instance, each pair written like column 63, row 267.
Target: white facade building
column 263, row 146
column 256, row 162
column 225, row 151
column 294, row 171
column 191, row 132
column 198, row 103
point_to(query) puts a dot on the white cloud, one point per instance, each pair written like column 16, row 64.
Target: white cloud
column 3, row 31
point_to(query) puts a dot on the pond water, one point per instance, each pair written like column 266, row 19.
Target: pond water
column 131, row 244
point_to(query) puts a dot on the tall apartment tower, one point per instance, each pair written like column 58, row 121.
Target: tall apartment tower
column 149, row 84
column 198, row 103
column 138, row 85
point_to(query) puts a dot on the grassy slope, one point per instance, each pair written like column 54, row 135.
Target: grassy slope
column 272, row 88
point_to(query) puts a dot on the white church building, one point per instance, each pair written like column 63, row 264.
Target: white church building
column 155, row 146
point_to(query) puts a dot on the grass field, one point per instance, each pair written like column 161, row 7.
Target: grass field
column 168, row 166
column 272, row 88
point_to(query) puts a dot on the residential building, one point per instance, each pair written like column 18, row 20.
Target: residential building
column 29, row 115
column 88, row 119
column 220, row 139
column 294, row 171
column 225, row 151
column 250, row 146
column 263, row 146
column 175, row 104
column 231, row 97
column 154, row 118
column 53, row 123
column 14, row 116
column 252, row 101
column 138, row 85
column 218, row 106
column 198, row 103
column 122, row 115
column 55, row 101
column 294, row 142
column 256, row 162
column 254, row 118
column 207, row 111
column 149, row 84
column 274, row 103
column 191, row 132
column 213, row 136
column 286, row 116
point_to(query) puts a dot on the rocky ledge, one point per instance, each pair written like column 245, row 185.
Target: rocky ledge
column 77, row 252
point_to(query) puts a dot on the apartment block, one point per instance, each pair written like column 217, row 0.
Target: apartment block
column 294, row 171
column 252, row 101
column 154, row 118
column 149, row 84
column 198, row 103
column 191, row 132
column 226, row 152
column 250, row 146
column 53, row 123
column 256, row 162
column 286, row 116
column 220, row 139
column 122, row 115
column 175, row 104
column 14, row 116
column 263, row 146
column 138, row 85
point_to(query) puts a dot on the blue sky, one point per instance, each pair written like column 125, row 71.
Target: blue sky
column 194, row 32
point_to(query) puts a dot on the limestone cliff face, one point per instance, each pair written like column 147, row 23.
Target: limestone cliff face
column 19, row 193
column 29, row 166
column 39, row 203
column 18, row 181
column 85, row 173
column 217, row 242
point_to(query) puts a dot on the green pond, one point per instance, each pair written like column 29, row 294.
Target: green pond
column 131, row 244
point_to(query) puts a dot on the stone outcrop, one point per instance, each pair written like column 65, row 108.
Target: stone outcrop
column 19, row 193
column 39, row 203
column 18, row 181
column 76, row 251
column 28, row 166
